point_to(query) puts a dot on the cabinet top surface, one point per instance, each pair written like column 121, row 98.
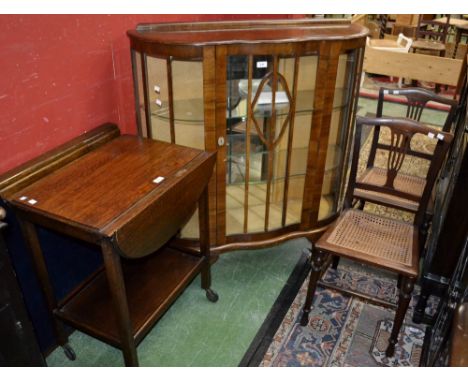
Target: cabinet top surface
column 97, row 188
column 216, row 33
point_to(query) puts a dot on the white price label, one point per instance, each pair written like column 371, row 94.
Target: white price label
column 158, row 180
column 159, row 102
column 157, row 89
column 262, row 64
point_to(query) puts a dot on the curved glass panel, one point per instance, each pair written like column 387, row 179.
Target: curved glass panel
column 339, row 125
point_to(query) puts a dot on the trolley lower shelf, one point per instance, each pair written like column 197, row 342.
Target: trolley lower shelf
column 152, row 284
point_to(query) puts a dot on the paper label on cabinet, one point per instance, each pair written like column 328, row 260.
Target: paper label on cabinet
column 158, row 180
column 23, row 198
column 431, row 135
column 262, row 64
column 157, row 89
column 440, row 137
column 159, row 102
column 32, row 201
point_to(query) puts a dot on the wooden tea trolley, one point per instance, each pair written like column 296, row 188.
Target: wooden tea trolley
column 129, row 196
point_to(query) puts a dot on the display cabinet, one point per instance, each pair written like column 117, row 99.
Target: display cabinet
column 275, row 99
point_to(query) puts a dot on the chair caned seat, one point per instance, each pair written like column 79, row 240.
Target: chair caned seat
column 428, row 45
column 376, row 176
column 372, row 238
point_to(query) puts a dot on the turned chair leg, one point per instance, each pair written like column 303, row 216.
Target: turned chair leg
column 407, row 285
column 317, row 264
column 335, row 262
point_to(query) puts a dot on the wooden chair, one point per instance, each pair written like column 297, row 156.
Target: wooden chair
column 373, row 239
column 431, row 36
column 417, row 99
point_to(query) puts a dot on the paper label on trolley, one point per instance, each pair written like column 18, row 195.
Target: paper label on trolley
column 262, row 64
column 159, row 102
column 440, row 137
column 157, row 89
column 32, row 201
column 158, row 180
column 431, row 135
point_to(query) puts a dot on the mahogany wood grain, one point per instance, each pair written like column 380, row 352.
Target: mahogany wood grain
column 209, row 117
column 221, row 140
column 91, row 309
column 111, row 190
column 108, row 197
column 217, row 34
column 29, row 172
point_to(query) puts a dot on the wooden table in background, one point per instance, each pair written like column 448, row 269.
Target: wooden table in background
column 129, row 196
column 461, row 28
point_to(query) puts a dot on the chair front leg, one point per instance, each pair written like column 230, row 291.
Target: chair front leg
column 407, row 285
column 317, row 264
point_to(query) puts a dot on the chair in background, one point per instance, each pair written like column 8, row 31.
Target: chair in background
column 402, row 44
column 373, row 239
column 431, row 36
column 416, row 100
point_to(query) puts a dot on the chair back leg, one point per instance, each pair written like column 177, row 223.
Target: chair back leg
column 407, row 285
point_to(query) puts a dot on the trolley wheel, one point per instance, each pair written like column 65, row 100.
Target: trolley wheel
column 69, row 352
column 211, row 295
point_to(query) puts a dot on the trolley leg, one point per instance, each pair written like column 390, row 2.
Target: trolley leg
column 34, row 246
column 117, row 289
column 203, row 221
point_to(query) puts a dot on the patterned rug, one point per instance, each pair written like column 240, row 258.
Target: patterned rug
column 344, row 330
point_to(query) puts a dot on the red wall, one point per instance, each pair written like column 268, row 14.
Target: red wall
column 62, row 75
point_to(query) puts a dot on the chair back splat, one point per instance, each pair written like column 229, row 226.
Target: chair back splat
column 402, row 130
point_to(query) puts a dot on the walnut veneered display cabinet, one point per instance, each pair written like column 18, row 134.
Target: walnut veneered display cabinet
column 276, row 99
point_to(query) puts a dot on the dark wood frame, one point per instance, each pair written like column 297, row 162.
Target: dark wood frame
column 402, row 131
column 212, row 43
column 417, row 99
column 105, row 290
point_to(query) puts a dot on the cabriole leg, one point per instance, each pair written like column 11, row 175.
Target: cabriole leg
column 317, row 264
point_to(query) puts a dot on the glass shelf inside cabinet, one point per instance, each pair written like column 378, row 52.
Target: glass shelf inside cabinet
column 257, row 172
column 191, row 110
column 185, row 110
column 263, row 107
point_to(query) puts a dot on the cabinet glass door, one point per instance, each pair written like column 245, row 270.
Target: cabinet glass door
column 172, row 91
column 269, row 116
column 333, row 181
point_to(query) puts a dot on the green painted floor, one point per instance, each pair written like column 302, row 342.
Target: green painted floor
column 196, row 332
